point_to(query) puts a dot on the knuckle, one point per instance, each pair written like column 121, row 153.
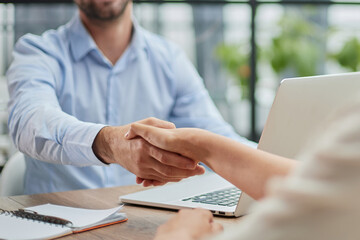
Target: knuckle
column 172, row 140
column 141, row 145
column 154, row 152
column 161, row 157
column 205, row 213
column 151, row 120
column 131, row 126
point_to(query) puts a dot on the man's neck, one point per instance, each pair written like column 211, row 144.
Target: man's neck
column 111, row 37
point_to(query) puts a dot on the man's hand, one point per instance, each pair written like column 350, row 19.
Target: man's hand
column 147, row 162
column 189, row 225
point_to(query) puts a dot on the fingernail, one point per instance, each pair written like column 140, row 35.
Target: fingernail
column 126, row 134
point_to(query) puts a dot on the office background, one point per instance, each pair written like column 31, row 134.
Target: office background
column 242, row 49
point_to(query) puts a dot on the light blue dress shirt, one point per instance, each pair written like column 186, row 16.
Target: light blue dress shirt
column 63, row 91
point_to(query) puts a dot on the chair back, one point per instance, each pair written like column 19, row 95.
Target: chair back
column 12, row 176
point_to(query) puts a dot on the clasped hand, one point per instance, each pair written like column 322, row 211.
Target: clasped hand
column 188, row 224
column 151, row 165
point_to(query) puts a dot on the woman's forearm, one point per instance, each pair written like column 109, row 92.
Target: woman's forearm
column 247, row 168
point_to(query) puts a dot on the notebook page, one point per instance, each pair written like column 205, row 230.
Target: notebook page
column 18, row 228
column 80, row 217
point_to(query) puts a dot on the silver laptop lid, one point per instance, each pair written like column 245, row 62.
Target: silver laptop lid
column 301, row 105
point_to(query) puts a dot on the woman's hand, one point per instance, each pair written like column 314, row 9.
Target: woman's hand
column 189, row 225
column 183, row 142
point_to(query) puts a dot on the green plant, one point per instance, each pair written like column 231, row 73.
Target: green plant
column 294, row 48
column 235, row 59
column 349, row 56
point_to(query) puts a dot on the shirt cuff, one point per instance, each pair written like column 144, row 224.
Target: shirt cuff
column 79, row 145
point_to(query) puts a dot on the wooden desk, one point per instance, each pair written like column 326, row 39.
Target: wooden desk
column 142, row 223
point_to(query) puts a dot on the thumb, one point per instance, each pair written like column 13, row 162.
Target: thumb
column 157, row 123
column 152, row 135
column 134, row 131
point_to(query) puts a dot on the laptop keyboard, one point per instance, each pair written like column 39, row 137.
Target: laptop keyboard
column 226, row 197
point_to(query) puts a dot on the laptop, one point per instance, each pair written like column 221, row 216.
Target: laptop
column 300, row 107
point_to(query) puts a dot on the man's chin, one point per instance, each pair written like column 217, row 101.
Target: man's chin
column 104, row 10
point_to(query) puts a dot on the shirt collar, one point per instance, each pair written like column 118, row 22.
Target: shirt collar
column 138, row 42
column 82, row 43
column 80, row 40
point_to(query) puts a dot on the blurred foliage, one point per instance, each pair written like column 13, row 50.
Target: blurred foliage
column 349, row 56
column 235, row 59
column 295, row 48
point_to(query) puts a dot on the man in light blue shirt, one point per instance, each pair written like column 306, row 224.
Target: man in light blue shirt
column 74, row 91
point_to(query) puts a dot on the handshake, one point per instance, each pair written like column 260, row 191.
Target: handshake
column 153, row 149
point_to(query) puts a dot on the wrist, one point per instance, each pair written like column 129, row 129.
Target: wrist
column 209, row 147
column 198, row 145
column 100, row 146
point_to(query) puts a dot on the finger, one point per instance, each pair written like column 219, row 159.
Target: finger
column 153, row 135
column 158, row 123
column 172, row 159
column 150, row 180
column 199, row 214
column 155, row 176
column 150, row 183
column 166, row 172
column 139, row 180
column 160, row 179
column 206, row 213
column 151, row 169
column 186, row 211
column 200, row 170
column 157, row 180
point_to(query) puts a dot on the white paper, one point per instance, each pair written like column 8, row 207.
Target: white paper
column 17, row 228
column 80, row 217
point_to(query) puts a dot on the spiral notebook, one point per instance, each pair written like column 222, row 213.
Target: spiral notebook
column 51, row 221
